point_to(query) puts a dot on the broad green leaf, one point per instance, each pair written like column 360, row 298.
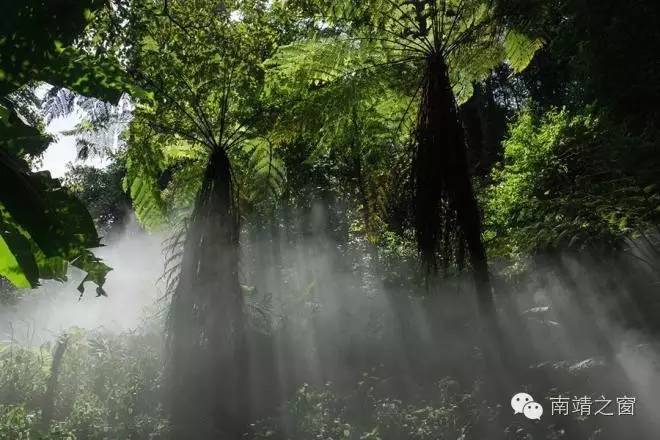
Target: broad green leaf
column 10, row 269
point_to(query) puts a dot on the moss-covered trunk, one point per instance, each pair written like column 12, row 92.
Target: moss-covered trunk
column 208, row 357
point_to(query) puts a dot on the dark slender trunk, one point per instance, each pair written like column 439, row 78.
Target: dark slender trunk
column 48, row 406
column 485, row 126
column 471, row 113
column 363, row 195
column 208, row 356
column 441, row 174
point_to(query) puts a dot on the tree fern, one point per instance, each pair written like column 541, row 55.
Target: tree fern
column 203, row 65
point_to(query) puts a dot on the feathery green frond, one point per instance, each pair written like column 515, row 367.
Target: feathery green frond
column 520, row 49
column 144, row 166
column 264, row 170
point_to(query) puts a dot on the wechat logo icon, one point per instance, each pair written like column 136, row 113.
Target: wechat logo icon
column 523, row 403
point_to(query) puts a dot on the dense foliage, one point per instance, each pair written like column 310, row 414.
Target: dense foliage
column 572, row 181
column 105, row 387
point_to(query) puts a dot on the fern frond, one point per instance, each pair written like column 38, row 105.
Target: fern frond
column 173, row 251
column 57, row 103
column 520, row 49
column 145, row 164
column 264, row 169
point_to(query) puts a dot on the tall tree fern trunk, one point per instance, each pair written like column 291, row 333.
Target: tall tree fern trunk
column 442, row 186
column 208, row 356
